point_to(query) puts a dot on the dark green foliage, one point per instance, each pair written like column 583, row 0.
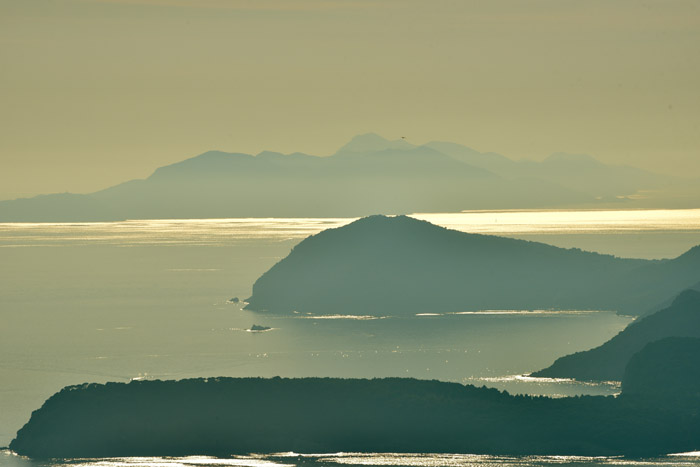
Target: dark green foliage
column 666, row 369
column 390, row 265
column 608, row 361
column 224, row 416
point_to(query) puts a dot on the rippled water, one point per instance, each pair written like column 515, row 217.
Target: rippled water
column 361, row 459
column 149, row 299
column 635, row 233
column 561, row 222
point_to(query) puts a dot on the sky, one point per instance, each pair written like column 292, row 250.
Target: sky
column 96, row 92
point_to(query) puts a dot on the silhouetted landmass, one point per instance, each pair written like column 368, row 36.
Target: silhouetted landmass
column 224, row 416
column 666, row 369
column 368, row 175
column 580, row 172
column 399, row 265
column 608, row 361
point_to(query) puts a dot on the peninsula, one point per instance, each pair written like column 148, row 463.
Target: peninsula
column 608, row 361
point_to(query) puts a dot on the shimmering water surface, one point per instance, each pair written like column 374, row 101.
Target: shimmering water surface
column 149, row 299
column 361, row 459
column 635, row 233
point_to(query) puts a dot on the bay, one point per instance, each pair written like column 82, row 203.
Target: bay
column 114, row 301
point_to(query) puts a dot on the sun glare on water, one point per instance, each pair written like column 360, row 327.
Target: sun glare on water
column 225, row 231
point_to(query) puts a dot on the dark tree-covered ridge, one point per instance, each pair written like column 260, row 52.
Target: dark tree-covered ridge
column 608, row 361
column 400, row 265
column 225, row 416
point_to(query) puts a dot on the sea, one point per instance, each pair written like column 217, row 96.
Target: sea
column 152, row 299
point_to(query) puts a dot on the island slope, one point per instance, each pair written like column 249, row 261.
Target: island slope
column 224, row 416
column 608, row 362
column 400, row 265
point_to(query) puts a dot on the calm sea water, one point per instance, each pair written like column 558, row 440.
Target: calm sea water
column 361, row 459
column 114, row 301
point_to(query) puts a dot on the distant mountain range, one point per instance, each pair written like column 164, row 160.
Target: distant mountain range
column 399, row 265
column 608, row 362
column 368, row 175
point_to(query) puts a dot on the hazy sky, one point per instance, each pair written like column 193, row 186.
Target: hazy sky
column 95, row 92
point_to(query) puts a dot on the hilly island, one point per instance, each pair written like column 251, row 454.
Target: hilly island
column 367, row 175
column 326, row 233
column 225, row 416
column 399, row 265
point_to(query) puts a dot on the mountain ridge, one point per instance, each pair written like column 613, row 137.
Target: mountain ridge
column 368, row 174
column 608, row 361
column 400, row 265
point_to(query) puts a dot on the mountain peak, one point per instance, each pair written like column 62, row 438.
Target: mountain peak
column 380, row 224
column 373, row 142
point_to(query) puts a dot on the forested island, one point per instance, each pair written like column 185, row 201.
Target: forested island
column 226, row 416
column 401, row 265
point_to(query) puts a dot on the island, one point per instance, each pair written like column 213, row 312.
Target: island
column 398, row 265
column 369, row 174
column 225, row 416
